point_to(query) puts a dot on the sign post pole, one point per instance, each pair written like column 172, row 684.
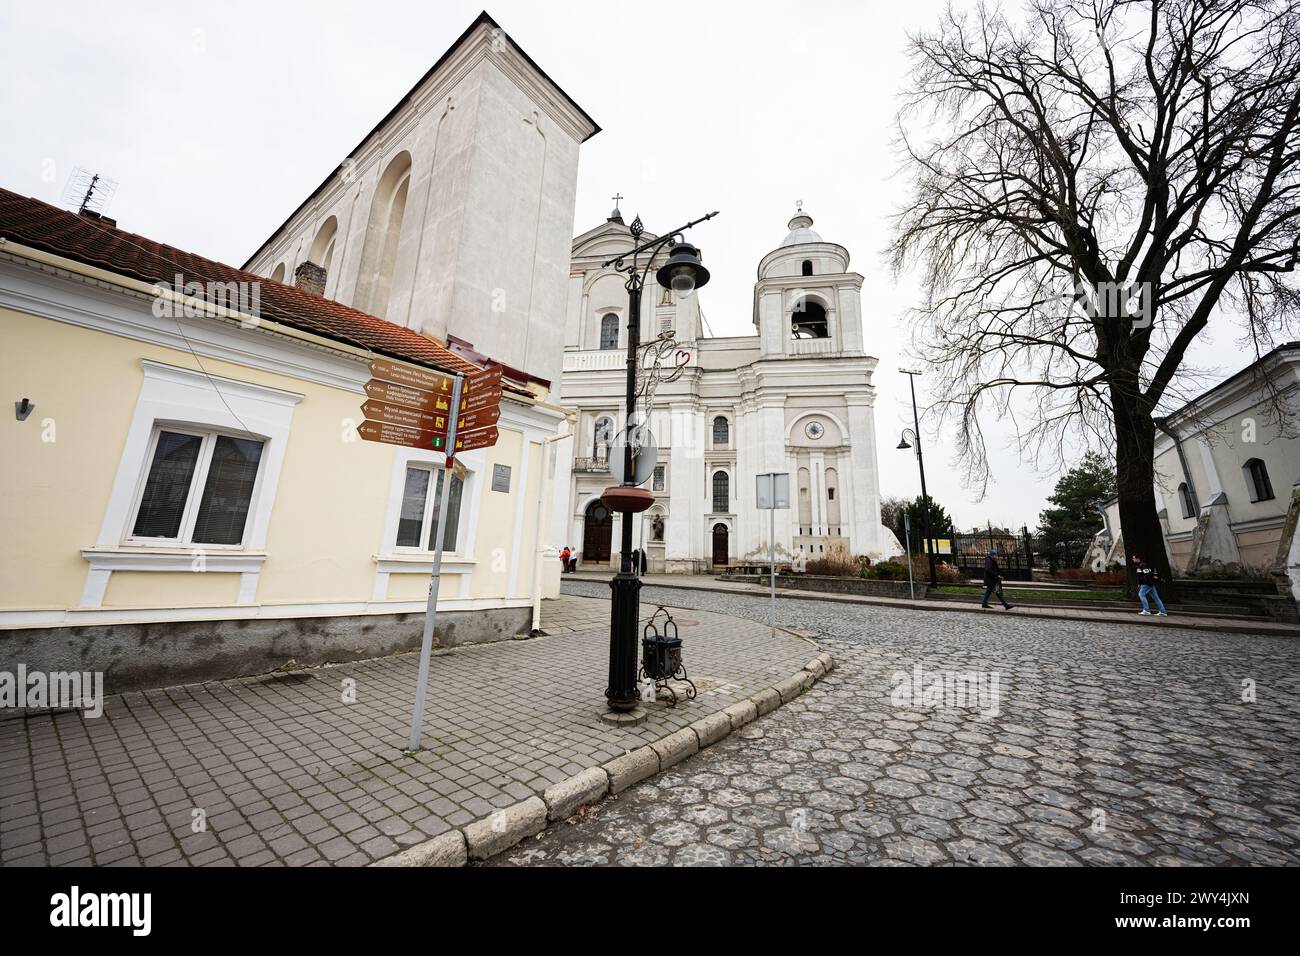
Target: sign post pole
column 431, row 610
column 771, row 613
column 907, row 544
column 772, row 491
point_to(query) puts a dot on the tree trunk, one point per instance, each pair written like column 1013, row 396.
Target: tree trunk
column 1135, row 438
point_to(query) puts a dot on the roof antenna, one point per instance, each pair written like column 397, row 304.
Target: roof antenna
column 89, row 192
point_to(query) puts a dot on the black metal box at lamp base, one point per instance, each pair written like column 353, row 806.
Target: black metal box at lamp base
column 661, row 656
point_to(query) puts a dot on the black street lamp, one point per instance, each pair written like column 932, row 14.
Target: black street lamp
column 925, row 497
column 683, row 273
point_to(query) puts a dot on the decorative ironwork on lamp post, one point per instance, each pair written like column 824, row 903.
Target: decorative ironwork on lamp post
column 683, row 273
column 920, row 461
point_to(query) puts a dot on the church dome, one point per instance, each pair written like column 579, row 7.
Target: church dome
column 800, row 230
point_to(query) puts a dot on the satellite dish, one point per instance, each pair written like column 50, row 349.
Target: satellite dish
column 645, row 455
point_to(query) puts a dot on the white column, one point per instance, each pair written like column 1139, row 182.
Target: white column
column 865, row 513
column 817, row 476
column 1211, row 472
column 844, row 474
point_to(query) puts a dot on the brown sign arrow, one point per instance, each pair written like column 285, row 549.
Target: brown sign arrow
column 480, row 400
column 439, row 383
column 429, row 421
column 401, row 435
column 401, row 415
column 489, row 377
column 483, row 438
column 403, row 395
column 412, row 376
column 471, row 421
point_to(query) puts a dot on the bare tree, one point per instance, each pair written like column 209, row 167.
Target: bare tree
column 1095, row 182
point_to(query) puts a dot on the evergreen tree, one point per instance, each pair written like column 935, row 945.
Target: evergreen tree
column 1069, row 525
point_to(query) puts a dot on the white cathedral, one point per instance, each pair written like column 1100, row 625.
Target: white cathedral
column 794, row 397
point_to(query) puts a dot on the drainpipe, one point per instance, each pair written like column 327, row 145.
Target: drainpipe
column 1163, row 425
column 547, row 452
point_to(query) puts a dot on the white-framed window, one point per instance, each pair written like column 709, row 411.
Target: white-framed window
column 419, row 515
column 198, row 487
column 657, row 481
column 721, row 432
column 1257, row 482
column 721, row 492
column 609, row 331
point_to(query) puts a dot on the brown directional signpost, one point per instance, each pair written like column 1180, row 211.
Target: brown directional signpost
column 421, row 408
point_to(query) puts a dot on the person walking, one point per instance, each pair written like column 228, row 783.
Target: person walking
column 993, row 580
column 564, row 559
column 1146, row 579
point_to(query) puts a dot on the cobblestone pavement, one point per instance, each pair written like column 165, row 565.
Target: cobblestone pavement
column 1110, row 746
column 307, row 767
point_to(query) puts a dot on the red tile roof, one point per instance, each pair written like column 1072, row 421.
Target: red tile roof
column 96, row 243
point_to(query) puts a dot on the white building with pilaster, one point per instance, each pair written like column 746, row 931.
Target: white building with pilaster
column 795, row 397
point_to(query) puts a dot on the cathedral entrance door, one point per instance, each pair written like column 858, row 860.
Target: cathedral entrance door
column 720, row 549
column 597, row 532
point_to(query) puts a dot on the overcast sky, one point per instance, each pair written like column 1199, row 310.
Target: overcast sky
column 218, row 119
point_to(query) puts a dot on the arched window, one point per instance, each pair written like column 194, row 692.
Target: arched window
column 609, row 331
column 384, row 228
column 807, row 267
column 1257, row 483
column 1185, row 500
column 278, row 274
column 808, row 321
column 721, row 432
column 322, row 248
column 721, row 492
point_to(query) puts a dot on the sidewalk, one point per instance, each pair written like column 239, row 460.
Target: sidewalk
column 279, row 769
column 1191, row 622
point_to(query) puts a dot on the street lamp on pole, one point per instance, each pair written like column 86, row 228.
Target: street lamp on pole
column 683, row 273
column 920, row 461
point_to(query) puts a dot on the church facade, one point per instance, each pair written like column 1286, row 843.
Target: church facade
column 794, row 397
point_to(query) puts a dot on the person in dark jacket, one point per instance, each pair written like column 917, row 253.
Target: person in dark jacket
column 993, row 580
column 1146, row 579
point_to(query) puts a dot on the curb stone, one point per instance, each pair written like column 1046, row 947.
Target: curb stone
column 447, row 849
column 676, row 747
column 741, row 713
column 563, row 798
column 633, row 767
column 506, row 827
column 712, row 728
column 766, row 701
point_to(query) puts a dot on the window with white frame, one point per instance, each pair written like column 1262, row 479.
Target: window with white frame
column 609, row 331
column 1257, row 482
column 198, row 489
column 657, row 482
column 419, row 515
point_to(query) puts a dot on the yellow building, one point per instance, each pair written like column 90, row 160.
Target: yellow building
column 185, row 490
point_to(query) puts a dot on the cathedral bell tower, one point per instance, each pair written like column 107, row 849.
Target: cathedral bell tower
column 806, row 302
